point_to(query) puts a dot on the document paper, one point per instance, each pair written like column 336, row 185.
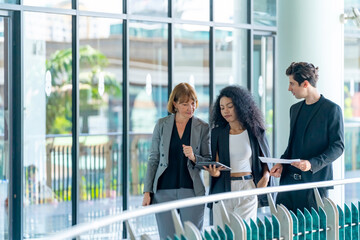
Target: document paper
column 278, row 160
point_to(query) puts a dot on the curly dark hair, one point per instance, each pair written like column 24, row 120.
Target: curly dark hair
column 247, row 112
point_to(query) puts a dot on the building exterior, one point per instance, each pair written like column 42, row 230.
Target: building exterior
column 83, row 82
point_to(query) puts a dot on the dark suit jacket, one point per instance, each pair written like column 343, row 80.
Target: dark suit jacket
column 220, row 145
column 323, row 141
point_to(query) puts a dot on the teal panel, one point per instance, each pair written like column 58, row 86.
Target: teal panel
column 229, row 233
column 208, row 236
column 221, row 233
column 302, row 224
column 323, row 222
column 269, row 232
column 168, row 238
column 341, row 224
column 308, row 224
column 261, row 227
column 276, row 227
column 248, row 231
column 295, row 225
column 347, row 222
column 355, row 221
column 183, row 237
column 254, row 230
column 176, row 237
column 316, row 224
column 215, row 235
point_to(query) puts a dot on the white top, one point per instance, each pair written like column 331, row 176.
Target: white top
column 240, row 152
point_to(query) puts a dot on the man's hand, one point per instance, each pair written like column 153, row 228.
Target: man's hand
column 303, row 165
column 146, row 199
column 264, row 180
column 276, row 170
column 188, row 152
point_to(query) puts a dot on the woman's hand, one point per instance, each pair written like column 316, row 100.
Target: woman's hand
column 276, row 170
column 264, row 180
column 146, row 199
column 188, row 152
column 213, row 170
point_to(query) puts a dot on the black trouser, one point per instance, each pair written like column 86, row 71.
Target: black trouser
column 299, row 199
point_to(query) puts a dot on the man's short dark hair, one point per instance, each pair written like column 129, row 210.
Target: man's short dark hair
column 302, row 71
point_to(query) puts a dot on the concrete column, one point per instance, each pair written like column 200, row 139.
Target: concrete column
column 310, row 31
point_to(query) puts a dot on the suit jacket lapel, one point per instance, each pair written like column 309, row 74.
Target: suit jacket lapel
column 294, row 116
column 315, row 110
column 195, row 132
column 167, row 131
column 224, row 140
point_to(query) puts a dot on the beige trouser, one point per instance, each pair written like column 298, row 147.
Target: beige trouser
column 245, row 207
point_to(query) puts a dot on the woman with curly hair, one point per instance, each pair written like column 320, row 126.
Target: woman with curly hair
column 237, row 140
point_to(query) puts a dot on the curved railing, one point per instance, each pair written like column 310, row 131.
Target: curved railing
column 130, row 214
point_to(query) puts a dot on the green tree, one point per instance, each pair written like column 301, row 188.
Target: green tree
column 58, row 107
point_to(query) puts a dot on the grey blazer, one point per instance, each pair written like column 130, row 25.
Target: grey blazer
column 159, row 153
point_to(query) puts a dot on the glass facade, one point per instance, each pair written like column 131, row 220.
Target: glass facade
column 100, row 121
column 352, row 103
column 47, row 123
column 4, row 130
column 94, row 82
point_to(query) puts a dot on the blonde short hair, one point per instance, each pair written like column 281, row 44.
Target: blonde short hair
column 182, row 93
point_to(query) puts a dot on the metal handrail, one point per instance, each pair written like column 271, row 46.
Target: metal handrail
column 129, row 214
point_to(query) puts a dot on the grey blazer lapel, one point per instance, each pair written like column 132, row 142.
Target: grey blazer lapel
column 167, row 130
column 195, row 133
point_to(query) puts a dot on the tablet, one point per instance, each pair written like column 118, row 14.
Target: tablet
column 218, row 164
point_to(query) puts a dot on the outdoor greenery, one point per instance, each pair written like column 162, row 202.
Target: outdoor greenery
column 92, row 65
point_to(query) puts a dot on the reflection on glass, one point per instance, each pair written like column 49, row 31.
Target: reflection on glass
column 192, row 10
column 111, row 6
column 263, row 82
column 8, row 1
column 100, row 119
column 231, row 11
column 4, row 131
column 352, row 116
column 47, row 123
column 265, row 12
column 45, row 3
column 191, row 62
column 158, row 8
column 148, row 90
column 231, row 64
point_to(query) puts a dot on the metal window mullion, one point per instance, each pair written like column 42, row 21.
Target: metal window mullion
column 16, row 147
column 75, row 119
column 275, row 75
column 211, row 67
column 170, row 48
column 126, row 102
column 250, row 53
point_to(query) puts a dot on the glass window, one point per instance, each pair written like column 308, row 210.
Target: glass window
column 158, row 8
column 4, row 130
column 263, row 81
column 231, row 11
column 148, row 96
column 352, row 116
column 8, row 1
column 191, row 62
column 47, row 123
column 100, row 118
column 265, row 12
column 231, row 61
column 66, row 4
column 198, row 10
column 111, row 6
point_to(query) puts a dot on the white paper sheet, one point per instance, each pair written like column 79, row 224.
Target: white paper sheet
column 278, row 160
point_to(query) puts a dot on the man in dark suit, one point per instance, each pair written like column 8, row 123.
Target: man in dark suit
column 316, row 137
